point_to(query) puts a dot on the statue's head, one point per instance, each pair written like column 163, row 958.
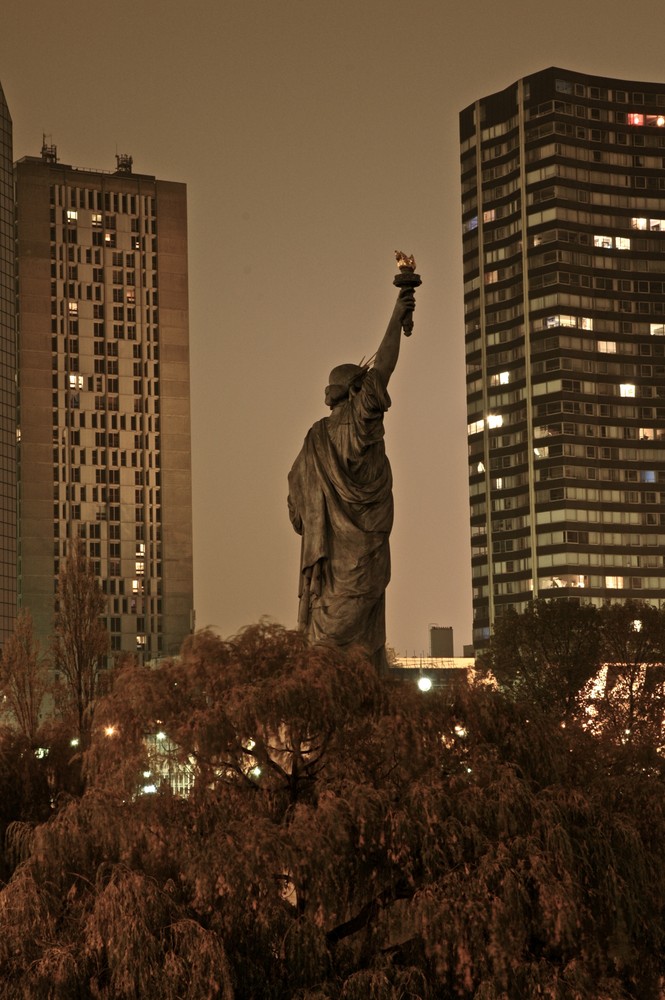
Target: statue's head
column 343, row 381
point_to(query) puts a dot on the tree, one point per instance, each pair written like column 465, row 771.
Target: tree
column 80, row 639
column 24, row 676
column 346, row 837
column 547, row 653
column 629, row 707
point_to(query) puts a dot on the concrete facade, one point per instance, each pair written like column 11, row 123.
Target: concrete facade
column 104, row 399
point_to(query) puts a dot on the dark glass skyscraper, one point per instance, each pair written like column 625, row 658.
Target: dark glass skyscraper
column 7, row 379
column 563, row 212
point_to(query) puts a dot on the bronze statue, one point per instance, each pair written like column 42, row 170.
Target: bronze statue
column 340, row 496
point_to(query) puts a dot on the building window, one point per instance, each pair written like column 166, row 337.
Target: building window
column 626, row 389
column 635, row 118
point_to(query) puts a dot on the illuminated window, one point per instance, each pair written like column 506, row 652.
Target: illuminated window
column 139, row 567
column 622, row 242
column 657, row 329
column 626, row 389
column 73, row 308
column 614, row 582
column 475, row 427
column 491, row 277
column 494, row 420
column 72, row 216
column 97, row 220
column 635, row 118
column 75, row 381
column 638, row 223
column 607, row 346
column 489, row 215
column 657, row 120
column 603, row 241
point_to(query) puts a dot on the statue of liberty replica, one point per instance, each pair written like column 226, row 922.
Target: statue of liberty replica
column 340, row 495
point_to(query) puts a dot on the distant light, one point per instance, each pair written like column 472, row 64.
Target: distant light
column 74, row 742
column 460, row 730
column 637, row 625
column 425, row 683
column 255, row 771
column 149, row 789
column 109, row 730
column 146, row 774
column 660, row 121
column 160, row 736
column 41, row 752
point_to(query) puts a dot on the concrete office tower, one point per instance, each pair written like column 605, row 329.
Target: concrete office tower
column 104, row 394
column 7, row 380
column 563, row 210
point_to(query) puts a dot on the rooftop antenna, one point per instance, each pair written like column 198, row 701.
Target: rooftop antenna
column 49, row 151
column 123, row 163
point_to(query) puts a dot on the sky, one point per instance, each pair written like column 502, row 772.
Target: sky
column 315, row 139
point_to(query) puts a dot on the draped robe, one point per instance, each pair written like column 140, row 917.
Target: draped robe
column 340, row 501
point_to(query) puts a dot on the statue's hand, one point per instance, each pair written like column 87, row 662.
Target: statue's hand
column 406, row 303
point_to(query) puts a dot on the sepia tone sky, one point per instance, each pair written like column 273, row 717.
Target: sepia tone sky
column 314, row 138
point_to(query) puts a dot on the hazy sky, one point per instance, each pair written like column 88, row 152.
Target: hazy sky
column 314, row 138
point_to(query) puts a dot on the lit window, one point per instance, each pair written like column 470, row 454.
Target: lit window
column 622, row 242
column 638, row 223
column 635, row 118
column 489, row 215
column 480, row 467
column 475, row 427
column 468, row 225
column 140, row 642
column 607, row 346
column 139, row 567
column 504, row 378
column 73, row 308
column 655, row 225
column 75, row 381
column 72, row 216
column 97, row 220
column 603, row 241
column 626, row 389
column 614, row 582
column 657, row 120
column 491, row 277
column 657, row 329
column 494, row 420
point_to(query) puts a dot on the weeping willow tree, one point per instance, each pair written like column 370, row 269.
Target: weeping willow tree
column 344, row 837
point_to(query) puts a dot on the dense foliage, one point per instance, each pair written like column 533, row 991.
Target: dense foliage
column 345, row 837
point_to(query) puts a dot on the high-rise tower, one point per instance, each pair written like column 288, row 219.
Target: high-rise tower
column 563, row 212
column 104, row 454
column 7, row 379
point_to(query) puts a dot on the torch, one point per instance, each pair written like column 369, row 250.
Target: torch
column 406, row 278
